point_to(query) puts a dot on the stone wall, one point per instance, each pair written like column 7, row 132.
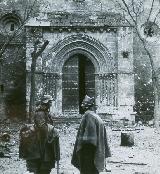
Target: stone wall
column 110, row 39
column 106, row 47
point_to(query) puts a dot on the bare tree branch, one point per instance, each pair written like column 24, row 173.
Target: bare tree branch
column 156, row 16
column 133, row 8
column 139, row 12
column 153, row 69
column 150, row 10
column 125, row 4
column 142, row 40
column 10, row 38
column 35, row 54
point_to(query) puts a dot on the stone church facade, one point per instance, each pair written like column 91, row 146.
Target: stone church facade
column 88, row 53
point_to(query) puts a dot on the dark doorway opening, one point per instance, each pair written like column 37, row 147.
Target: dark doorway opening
column 82, row 90
column 86, row 79
column 78, row 80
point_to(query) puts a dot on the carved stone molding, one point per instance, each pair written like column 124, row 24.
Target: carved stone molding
column 108, row 89
column 84, row 29
column 86, row 45
column 106, row 75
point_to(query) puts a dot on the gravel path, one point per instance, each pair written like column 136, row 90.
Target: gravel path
column 143, row 158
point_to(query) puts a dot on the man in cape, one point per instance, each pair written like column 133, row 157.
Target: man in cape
column 91, row 146
column 39, row 145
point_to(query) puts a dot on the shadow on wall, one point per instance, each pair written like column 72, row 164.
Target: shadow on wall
column 15, row 98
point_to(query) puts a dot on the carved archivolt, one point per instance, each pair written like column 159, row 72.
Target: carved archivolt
column 82, row 44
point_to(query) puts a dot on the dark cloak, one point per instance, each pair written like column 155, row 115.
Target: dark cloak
column 92, row 131
column 29, row 147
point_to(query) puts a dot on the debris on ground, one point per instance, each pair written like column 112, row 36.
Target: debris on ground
column 137, row 159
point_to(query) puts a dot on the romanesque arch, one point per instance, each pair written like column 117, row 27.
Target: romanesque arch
column 96, row 52
column 86, row 45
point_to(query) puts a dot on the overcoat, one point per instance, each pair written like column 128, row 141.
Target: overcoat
column 92, row 131
column 29, row 147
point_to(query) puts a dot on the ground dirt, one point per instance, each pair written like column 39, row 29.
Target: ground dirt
column 142, row 158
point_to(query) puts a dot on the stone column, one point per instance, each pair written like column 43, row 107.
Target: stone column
column 106, row 86
column 125, row 74
column 97, row 91
column 58, row 102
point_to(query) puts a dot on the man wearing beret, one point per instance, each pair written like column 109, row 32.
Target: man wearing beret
column 39, row 145
column 91, row 146
column 44, row 106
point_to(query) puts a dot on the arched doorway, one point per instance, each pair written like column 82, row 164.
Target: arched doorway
column 77, row 80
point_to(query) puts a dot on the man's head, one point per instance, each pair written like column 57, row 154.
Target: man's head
column 40, row 120
column 88, row 103
column 47, row 99
column 46, row 102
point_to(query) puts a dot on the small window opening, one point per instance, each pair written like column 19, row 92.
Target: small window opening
column 12, row 27
column 149, row 31
column 125, row 54
column 2, row 88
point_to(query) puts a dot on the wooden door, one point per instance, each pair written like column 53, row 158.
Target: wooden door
column 70, row 89
column 77, row 81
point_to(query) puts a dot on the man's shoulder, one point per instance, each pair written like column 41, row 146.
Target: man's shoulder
column 91, row 115
column 53, row 130
column 27, row 130
column 26, row 127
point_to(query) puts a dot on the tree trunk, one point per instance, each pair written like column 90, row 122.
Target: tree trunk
column 35, row 54
column 32, row 92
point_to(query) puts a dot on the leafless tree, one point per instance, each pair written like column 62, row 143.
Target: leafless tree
column 30, row 7
column 35, row 54
column 29, row 11
column 133, row 11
